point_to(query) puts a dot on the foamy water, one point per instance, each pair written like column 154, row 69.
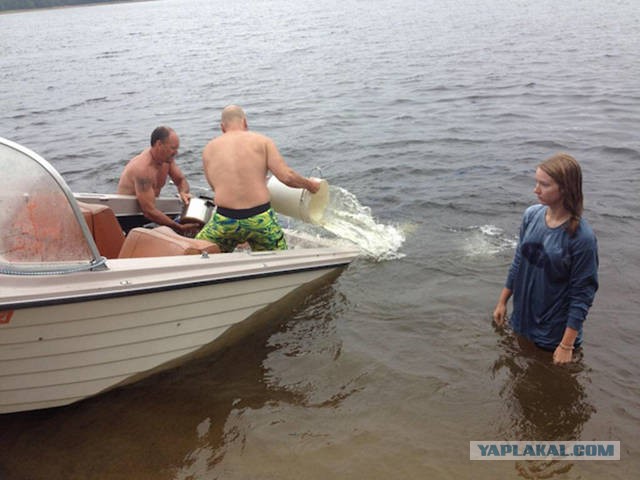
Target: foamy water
column 487, row 240
column 347, row 218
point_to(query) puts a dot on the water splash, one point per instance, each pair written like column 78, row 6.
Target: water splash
column 346, row 218
column 487, row 240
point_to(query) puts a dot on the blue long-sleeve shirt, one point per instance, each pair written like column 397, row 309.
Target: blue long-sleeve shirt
column 553, row 279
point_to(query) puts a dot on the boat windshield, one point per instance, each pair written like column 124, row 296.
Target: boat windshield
column 42, row 228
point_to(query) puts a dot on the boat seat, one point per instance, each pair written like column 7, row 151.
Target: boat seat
column 162, row 242
column 104, row 226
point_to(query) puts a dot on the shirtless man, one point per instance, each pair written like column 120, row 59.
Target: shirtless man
column 236, row 166
column 145, row 175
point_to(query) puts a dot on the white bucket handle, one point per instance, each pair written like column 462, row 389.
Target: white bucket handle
column 319, row 175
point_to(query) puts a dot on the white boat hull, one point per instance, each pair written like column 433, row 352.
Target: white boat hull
column 55, row 355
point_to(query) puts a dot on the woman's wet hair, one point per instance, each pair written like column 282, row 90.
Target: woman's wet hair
column 566, row 172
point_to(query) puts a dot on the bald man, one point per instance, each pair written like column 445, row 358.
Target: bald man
column 236, row 165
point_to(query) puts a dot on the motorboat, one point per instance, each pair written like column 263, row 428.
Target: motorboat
column 91, row 299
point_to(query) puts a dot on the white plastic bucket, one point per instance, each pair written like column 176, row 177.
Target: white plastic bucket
column 298, row 202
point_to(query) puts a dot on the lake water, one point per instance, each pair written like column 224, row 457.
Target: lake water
column 431, row 116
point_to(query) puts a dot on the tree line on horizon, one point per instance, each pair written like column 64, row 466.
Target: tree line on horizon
column 27, row 4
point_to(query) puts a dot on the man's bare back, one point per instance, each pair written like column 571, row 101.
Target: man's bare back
column 235, row 165
column 237, row 162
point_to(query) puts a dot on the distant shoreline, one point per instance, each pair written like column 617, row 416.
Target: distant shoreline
column 84, row 4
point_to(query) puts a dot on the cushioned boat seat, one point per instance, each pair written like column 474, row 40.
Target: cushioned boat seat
column 104, row 226
column 162, row 242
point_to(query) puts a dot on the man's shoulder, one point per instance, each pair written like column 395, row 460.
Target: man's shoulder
column 244, row 137
column 264, row 142
column 252, row 136
column 141, row 165
column 257, row 134
column 141, row 159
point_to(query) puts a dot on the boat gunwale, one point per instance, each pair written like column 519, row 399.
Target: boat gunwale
column 142, row 290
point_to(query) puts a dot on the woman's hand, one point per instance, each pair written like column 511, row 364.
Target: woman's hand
column 500, row 314
column 562, row 355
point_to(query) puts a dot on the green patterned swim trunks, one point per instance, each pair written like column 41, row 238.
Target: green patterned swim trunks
column 228, row 228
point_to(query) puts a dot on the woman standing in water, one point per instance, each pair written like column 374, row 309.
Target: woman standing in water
column 554, row 274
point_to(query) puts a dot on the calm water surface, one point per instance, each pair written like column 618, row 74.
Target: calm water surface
column 434, row 115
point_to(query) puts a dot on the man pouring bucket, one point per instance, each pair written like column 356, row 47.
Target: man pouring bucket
column 236, row 165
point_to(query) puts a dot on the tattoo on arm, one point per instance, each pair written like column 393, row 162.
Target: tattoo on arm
column 143, row 184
